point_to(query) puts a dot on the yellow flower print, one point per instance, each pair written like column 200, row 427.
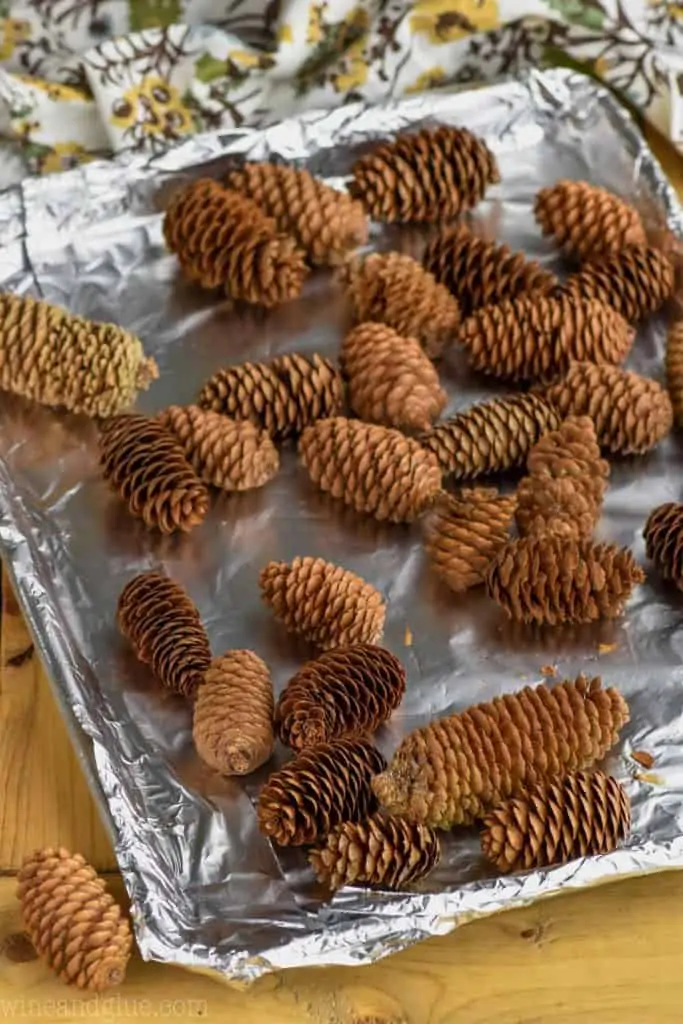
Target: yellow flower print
column 12, row 32
column 285, row 34
column 152, row 109
column 62, row 156
column 245, row 59
column 427, row 80
column 444, row 21
column 54, row 90
column 354, row 73
column 314, row 31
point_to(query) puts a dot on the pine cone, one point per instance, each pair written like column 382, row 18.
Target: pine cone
column 323, row 603
column 674, row 370
column 490, row 436
column 371, row 468
column 581, row 815
column 282, row 396
column 232, row 725
column 559, row 507
column 163, row 627
column 318, row 790
column 631, row 413
column 147, row 467
column 391, row 380
column 634, row 281
column 480, row 273
column 664, row 541
column 348, row 691
column 72, row 920
column 396, row 290
column 380, row 851
column 453, row 770
column 586, row 220
column 553, row 580
column 325, row 223
column 432, row 175
column 229, row 454
column 224, row 240
column 66, row 361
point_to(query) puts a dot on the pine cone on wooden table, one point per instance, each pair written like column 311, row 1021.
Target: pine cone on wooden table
column 635, row 281
column 674, row 370
column 664, row 541
column 586, row 220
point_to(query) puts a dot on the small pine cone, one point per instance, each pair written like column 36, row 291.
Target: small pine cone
column 580, row 815
column 373, row 469
column 674, row 370
column 163, row 627
column 73, row 922
column 664, row 541
column 224, row 240
column 390, row 379
column 326, row 224
column 561, row 507
column 318, row 790
column 491, row 436
column 146, row 465
column 586, row 220
column 323, row 603
column 432, row 175
column 348, row 691
column 550, row 579
column 380, row 851
column 233, row 455
column 232, row 726
column 453, row 770
column 634, row 281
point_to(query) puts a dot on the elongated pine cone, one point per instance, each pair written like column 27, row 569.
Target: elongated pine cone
column 586, row 220
column 580, row 815
column 631, row 413
column 380, row 851
column 323, row 603
column 490, row 436
column 73, row 922
column 453, row 770
column 634, row 281
column 282, row 396
column 57, row 359
column 318, row 790
column 347, row 691
column 147, row 467
column 234, row 455
column 550, row 579
column 390, row 379
column 224, row 240
column 162, row 624
column 432, row 175
column 396, row 290
column 326, row 224
column 373, row 469
column 232, row 725
column 664, row 541
column 674, row 370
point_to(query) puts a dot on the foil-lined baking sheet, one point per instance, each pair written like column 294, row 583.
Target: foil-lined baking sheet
column 207, row 890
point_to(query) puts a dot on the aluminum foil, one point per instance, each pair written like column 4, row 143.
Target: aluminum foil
column 206, row 889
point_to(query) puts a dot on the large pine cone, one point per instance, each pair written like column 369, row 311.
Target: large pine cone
column 634, row 281
column 348, row 691
column 586, row 220
column 432, row 175
column 581, row 815
column 328, row 605
column 72, row 920
column 318, row 790
column 163, row 626
column 674, row 369
column 664, row 541
column 453, row 770
column 373, row 469
column 146, row 465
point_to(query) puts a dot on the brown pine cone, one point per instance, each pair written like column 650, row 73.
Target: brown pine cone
column 390, row 379
column 348, row 691
column 634, row 281
column 561, row 507
column 580, row 815
column 453, row 770
column 326, row 223
column 163, row 627
column 664, row 541
column 282, row 396
column 318, row 790
column 323, row 603
column 224, row 240
column 631, row 413
column 586, row 220
column 380, row 851
column 72, row 920
column 490, row 436
column 396, row 290
column 549, row 579
column 674, row 370
column 373, row 469
column 146, row 465
column 432, row 175
column 480, row 273
column 232, row 725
